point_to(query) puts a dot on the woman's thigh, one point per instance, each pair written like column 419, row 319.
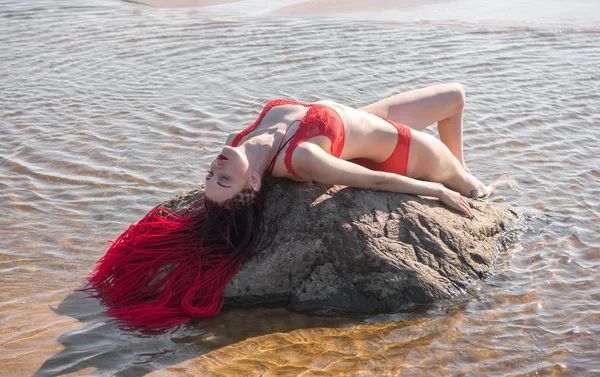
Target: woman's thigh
column 420, row 108
column 429, row 159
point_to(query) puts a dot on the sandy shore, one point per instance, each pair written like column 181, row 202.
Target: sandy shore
column 346, row 6
column 180, row 3
column 519, row 12
column 303, row 7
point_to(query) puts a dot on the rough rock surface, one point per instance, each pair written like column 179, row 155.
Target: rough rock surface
column 338, row 249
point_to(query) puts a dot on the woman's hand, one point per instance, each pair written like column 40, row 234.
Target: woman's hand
column 454, row 200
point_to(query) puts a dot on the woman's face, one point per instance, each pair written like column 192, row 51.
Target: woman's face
column 228, row 174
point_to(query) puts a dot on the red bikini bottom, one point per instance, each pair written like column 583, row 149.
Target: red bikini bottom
column 398, row 161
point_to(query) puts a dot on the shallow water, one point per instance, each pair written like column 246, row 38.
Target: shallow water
column 109, row 107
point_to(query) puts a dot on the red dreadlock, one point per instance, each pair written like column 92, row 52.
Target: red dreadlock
column 170, row 268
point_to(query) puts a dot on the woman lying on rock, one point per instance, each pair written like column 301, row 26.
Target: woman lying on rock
column 170, row 268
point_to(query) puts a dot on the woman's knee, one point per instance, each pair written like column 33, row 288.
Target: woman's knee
column 458, row 94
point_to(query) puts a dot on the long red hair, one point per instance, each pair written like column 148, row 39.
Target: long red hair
column 170, row 268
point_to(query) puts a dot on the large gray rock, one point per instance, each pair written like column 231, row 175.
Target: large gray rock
column 339, row 249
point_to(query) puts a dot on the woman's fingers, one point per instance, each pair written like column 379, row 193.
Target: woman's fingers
column 456, row 201
column 468, row 211
column 466, row 208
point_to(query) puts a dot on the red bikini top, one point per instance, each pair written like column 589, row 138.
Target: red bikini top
column 318, row 120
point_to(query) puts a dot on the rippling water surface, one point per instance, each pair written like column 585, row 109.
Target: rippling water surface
column 108, row 107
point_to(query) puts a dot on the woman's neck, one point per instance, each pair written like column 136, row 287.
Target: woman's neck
column 261, row 149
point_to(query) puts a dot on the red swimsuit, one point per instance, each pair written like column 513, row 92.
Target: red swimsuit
column 323, row 120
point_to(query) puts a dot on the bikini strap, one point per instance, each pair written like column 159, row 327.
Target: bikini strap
column 279, row 148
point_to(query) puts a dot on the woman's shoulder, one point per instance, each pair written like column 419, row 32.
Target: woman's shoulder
column 232, row 137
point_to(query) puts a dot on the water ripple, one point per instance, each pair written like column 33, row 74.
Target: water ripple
column 120, row 106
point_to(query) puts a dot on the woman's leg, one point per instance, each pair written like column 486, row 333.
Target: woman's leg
column 420, row 108
column 431, row 160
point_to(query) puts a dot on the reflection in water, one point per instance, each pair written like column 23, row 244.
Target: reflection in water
column 110, row 107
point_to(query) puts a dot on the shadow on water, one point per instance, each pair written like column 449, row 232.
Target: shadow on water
column 100, row 345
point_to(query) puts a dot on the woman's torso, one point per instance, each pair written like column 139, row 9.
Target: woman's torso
column 365, row 135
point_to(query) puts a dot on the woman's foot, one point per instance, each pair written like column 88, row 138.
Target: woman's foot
column 481, row 192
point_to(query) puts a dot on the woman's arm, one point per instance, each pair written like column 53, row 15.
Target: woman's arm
column 314, row 164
